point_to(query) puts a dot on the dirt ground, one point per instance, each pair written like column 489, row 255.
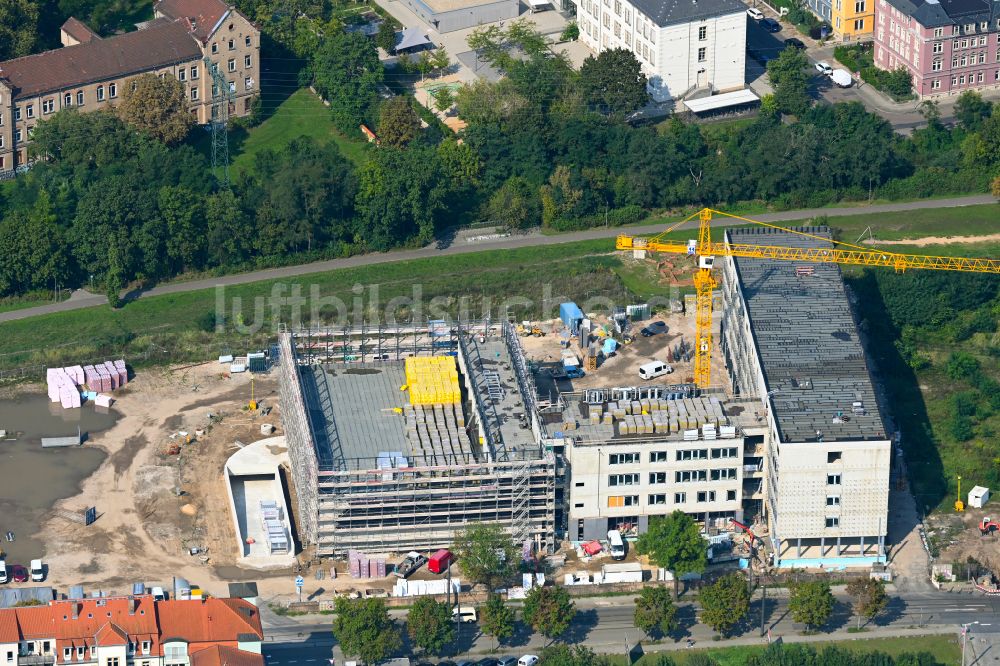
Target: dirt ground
column 145, row 528
column 622, row 368
column 958, row 537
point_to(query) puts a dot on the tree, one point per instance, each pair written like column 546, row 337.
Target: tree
column 158, row 107
column 18, row 28
column 576, row 655
column 655, row 612
column 33, row 252
column 496, row 619
column 870, row 599
column 486, row 554
column 725, row 602
column 440, row 60
column 570, row 33
column 398, row 123
column 549, row 610
column 789, row 80
column 971, row 109
column 182, row 211
column 430, row 624
column 385, row 39
column 364, row 629
column 444, row 98
column 811, row 603
column 613, row 81
column 424, row 64
column 347, row 73
column 675, row 542
column 514, row 206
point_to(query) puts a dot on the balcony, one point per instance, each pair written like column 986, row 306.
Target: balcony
column 36, row 660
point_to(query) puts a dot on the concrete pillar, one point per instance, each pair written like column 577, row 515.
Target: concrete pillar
column 862, row 546
column 881, row 545
column 822, row 546
column 839, row 551
column 798, row 547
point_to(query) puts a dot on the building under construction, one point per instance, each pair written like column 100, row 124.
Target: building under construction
column 401, row 436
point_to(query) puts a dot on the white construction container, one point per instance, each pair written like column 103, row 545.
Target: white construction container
column 978, row 497
column 629, row 572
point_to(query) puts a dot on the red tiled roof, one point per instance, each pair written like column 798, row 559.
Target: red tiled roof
column 163, row 43
column 9, row 631
column 205, row 14
column 79, row 30
column 209, row 620
column 35, row 621
column 111, row 634
column 221, row 655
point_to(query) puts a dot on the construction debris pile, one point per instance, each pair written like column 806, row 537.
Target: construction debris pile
column 65, row 384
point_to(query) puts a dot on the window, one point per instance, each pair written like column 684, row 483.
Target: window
column 145, row 647
column 579, row 484
column 81, row 652
column 935, row 84
column 982, row 40
column 100, row 93
column 833, row 522
column 215, row 47
column 982, row 57
column 657, row 478
column 616, row 501
column 17, row 136
column 246, row 61
column 67, row 653
column 112, row 90
column 623, row 480
column 680, row 498
column 833, row 479
column 970, row 27
column 938, row 32
column 965, row 60
column 232, row 44
column 998, row 55
column 702, row 33
column 721, row 474
column 834, row 457
column 248, row 83
column 194, row 73
column 623, row 458
column 48, row 105
column 232, row 86
column 961, row 79
column 954, row 44
column 79, row 98
column 859, row 6
column 730, row 452
column 730, row 495
column 247, row 40
column 954, row 80
column 182, row 74
column 112, row 661
column 706, row 495
column 693, row 454
column 232, row 65
column 31, row 134
column 17, row 113
column 194, row 94
column 938, row 47
column 984, row 26
column 691, row 475
column 657, row 499
column 658, row 456
column 859, row 24
column 701, row 54
column 578, row 505
column 30, row 110
column 1, row 140
column 954, row 63
column 979, row 78
column 996, row 75
column 833, row 500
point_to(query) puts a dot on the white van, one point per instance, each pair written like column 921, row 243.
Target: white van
column 617, row 545
column 37, row 571
column 464, row 614
column 3, row 572
column 654, row 369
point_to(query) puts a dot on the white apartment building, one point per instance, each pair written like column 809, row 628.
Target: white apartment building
column 683, row 45
column 791, row 342
column 632, row 459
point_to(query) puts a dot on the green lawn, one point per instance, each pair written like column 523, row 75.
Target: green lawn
column 302, row 114
column 945, row 649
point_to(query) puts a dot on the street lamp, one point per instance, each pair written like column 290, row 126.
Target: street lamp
column 965, row 637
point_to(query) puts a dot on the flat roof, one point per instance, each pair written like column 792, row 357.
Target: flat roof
column 441, row 6
column 671, row 12
column 510, row 408
column 722, row 101
column 807, row 342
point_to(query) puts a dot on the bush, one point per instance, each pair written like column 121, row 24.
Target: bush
column 625, row 215
column 855, row 58
column 207, row 322
column 570, row 33
column 896, row 83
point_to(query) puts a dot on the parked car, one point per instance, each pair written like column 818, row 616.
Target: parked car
column 770, row 25
column 488, row 661
column 755, row 13
column 4, row 576
column 575, row 372
column 413, row 561
column 763, row 57
column 465, row 615
column 842, row 78
column 507, row 661
column 18, row 573
column 654, row 328
column 37, row 571
column 528, row 660
column 654, row 369
column 823, row 67
column 795, row 42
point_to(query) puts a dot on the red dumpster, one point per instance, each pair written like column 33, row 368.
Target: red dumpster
column 439, row 561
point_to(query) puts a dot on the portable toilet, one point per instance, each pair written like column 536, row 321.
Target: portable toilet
column 978, row 497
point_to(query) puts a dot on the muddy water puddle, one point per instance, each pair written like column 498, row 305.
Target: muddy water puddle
column 33, row 479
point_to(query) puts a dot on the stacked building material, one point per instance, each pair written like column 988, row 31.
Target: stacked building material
column 62, row 388
column 432, row 380
column 361, row 566
column 436, row 433
column 277, row 537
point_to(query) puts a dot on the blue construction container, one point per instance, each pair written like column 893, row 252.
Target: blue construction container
column 571, row 316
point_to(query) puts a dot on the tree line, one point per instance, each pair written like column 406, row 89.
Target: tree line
column 120, row 199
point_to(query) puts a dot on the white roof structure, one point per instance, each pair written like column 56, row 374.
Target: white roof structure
column 411, row 38
column 722, row 101
column 539, row 4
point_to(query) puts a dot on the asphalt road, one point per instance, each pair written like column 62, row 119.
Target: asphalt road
column 464, row 245
column 605, row 624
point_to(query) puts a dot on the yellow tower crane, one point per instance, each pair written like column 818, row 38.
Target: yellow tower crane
column 705, row 250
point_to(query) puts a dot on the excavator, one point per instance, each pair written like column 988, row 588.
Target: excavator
column 705, row 250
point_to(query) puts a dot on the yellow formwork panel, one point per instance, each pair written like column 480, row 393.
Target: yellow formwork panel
column 432, row 380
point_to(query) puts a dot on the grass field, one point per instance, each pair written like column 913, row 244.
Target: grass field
column 945, row 649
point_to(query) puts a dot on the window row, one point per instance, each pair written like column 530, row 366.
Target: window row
column 657, row 499
column 232, row 44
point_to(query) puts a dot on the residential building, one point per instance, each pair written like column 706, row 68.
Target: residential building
column 132, row 631
column 790, row 341
column 852, row 20
column 90, row 73
column 682, row 46
column 634, row 454
column 948, row 46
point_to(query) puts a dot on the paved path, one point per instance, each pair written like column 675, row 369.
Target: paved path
column 465, row 244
